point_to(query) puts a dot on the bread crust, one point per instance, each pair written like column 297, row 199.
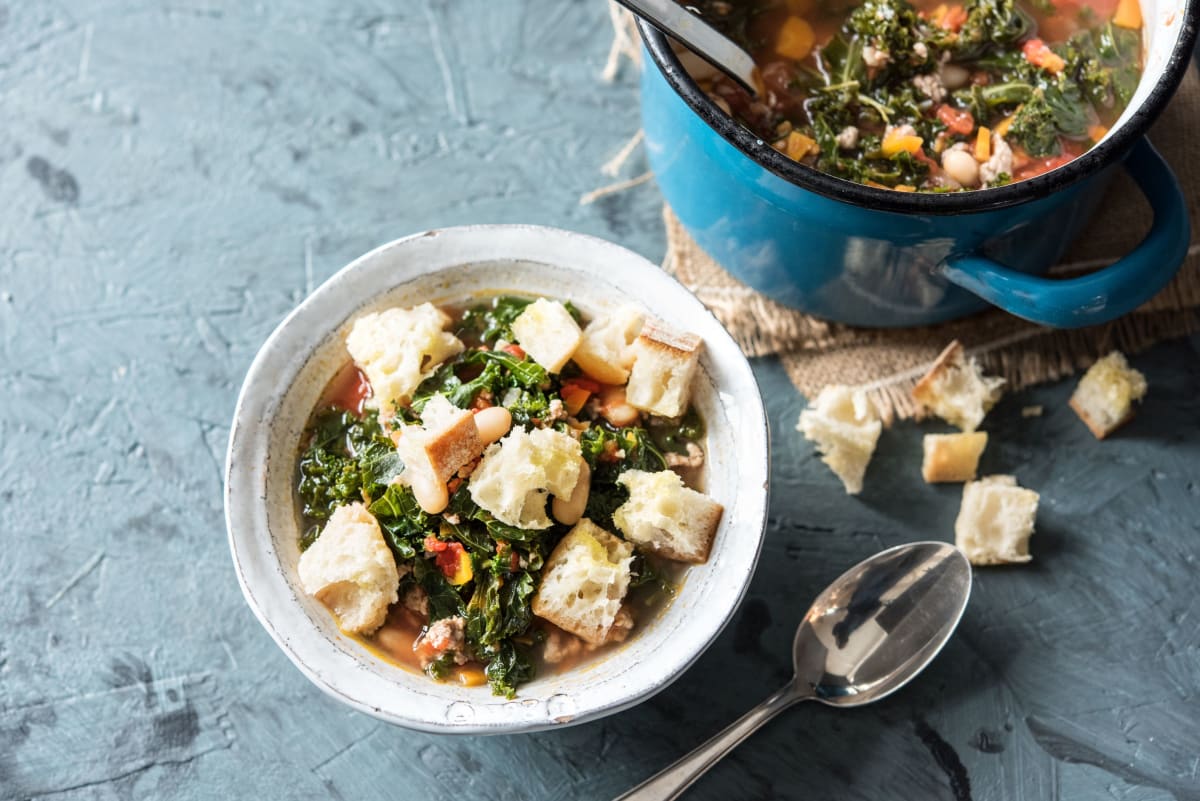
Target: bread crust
column 951, row 356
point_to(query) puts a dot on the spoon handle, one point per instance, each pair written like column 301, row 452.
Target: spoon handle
column 703, row 39
column 672, row 781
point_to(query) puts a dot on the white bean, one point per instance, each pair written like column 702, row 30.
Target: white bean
column 961, row 166
column 492, row 423
column 569, row 511
column 615, row 409
column 954, row 76
column 431, row 494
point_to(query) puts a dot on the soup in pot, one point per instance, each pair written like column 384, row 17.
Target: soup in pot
column 931, row 96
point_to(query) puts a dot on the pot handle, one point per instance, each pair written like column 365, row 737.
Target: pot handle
column 1105, row 294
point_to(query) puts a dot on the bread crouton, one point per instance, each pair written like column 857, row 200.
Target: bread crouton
column 995, row 521
column 606, row 352
column 548, row 333
column 956, row 390
column 397, row 348
column 518, row 474
column 667, row 517
column 351, row 570
column 952, row 457
column 584, row 582
column 845, row 427
column 446, row 440
column 665, row 360
column 1105, row 396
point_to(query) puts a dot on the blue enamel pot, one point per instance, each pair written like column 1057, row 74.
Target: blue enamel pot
column 873, row 257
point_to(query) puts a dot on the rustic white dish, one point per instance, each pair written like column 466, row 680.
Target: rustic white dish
column 451, row 266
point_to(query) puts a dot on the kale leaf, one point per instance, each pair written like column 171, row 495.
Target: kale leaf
column 404, row 524
column 675, row 437
column 509, row 668
column 444, row 600
column 493, row 321
column 345, row 457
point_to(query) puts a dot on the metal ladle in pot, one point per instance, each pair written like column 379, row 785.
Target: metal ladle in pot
column 869, row 633
column 701, row 38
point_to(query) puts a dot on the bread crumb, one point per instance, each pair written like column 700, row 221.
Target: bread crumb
column 956, row 390
column 952, row 457
column 1105, row 397
column 845, row 427
column 995, row 521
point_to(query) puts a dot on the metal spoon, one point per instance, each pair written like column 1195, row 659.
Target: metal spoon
column 865, row 636
column 701, row 38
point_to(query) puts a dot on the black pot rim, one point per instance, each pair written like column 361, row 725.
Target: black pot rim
column 976, row 200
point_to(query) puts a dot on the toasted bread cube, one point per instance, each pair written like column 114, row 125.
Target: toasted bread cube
column 845, row 427
column 351, row 570
column 952, row 457
column 665, row 360
column 606, row 352
column 446, row 440
column 548, row 333
column 956, row 390
column 518, row 474
column 584, row 582
column 1105, row 396
column 995, row 521
column 666, row 516
column 397, row 348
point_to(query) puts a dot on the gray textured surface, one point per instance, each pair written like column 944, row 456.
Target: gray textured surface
column 177, row 175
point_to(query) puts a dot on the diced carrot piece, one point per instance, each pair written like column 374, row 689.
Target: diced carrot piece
column 574, row 395
column 876, row 184
column 954, row 18
column 1097, row 132
column 1129, row 14
column 1004, row 124
column 1039, row 54
column 904, row 188
column 796, row 39
column 514, row 350
column 956, row 120
column 983, row 144
column 798, row 146
column 470, row 677
column 896, row 143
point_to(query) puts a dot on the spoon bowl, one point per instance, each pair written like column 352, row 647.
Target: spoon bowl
column 867, row 635
column 880, row 623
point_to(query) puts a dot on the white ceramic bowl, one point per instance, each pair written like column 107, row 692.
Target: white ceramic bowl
column 447, row 266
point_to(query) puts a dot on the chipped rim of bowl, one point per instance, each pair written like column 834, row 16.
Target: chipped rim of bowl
column 327, row 661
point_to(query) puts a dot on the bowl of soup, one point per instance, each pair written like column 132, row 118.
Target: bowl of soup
column 496, row 479
column 905, row 162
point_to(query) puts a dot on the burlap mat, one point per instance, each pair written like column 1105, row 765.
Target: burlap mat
column 888, row 362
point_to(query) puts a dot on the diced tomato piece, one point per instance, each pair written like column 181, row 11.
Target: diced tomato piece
column 1039, row 54
column 515, row 350
column 351, row 391
column 434, row 545
column 1043, row 164
column 453, row 561
column 956, row 121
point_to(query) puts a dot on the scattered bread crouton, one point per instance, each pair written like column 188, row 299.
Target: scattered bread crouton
column 1032, row 411
column 845, row 427
column 517, row 474
column 606, row 352
column 665, row 360
column 584, row 582
column 952, row 457
column 956, row 390
column 351, row 570
column 995, row 521
column 666, row 516
column 1105, row 396
column 446, row 440
column 548, row 333
column 397, row 348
